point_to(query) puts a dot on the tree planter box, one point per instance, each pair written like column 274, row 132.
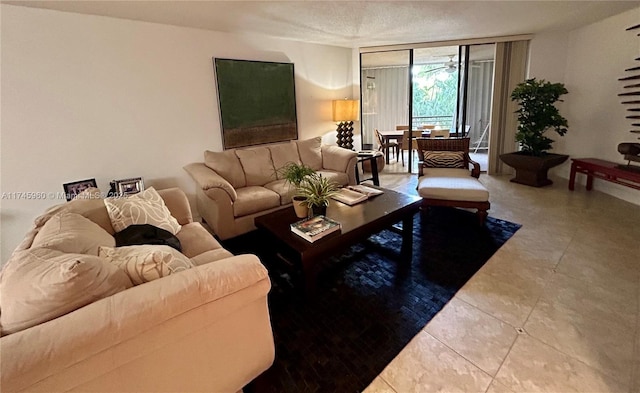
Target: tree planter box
column 532, row 170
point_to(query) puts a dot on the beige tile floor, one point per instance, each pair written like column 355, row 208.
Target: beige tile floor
column 554, row 310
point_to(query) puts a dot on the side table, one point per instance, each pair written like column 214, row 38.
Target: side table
column 372, row 158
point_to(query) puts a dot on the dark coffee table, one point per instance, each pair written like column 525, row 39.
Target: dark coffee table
column 358, row 223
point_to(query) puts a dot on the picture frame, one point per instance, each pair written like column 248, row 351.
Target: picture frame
column 257, row 102
column 71, row 190
column 126, row 187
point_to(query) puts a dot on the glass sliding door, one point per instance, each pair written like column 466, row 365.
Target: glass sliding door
column 384, row 83
column 435, row 85
column 441, row 88
column 479, row 95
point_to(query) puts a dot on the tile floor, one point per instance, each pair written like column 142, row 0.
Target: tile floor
column 554, row 310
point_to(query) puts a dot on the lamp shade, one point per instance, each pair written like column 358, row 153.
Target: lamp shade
column 346, row 110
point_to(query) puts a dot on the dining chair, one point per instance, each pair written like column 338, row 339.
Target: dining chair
column 383, row 145
column 404, row 144
column 439, row 134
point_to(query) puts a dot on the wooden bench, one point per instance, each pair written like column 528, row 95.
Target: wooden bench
column 605, row 170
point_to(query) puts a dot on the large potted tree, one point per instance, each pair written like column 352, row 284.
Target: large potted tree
column 536, row 115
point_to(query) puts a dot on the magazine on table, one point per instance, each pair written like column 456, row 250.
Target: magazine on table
column 314, row 228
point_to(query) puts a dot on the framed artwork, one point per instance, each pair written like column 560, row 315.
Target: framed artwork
column 125, row 187
column 257, row 102
column 76, row 187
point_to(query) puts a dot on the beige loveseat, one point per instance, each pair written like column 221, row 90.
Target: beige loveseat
column 235, row 186
column 204, row 329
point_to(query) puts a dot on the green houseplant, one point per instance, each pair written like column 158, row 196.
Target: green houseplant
column 294, row 174
column 317, row 191
column 537, row 114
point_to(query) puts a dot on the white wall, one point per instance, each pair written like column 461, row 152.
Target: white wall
column 595, row 57
column 95, row 97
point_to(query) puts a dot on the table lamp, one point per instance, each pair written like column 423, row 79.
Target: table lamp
column 345, row 112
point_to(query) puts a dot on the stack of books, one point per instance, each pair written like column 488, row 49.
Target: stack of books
column 351, row 195
column 314, row 228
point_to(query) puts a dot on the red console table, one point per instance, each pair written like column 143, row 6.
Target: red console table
column 601, row 169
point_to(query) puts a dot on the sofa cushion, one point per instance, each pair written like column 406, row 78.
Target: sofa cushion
column 444, row 159
column 311, row 153
column 211, row 256
column 282, row 188
column 146, row 263
column 195, row 240
column 451, row 185
column 146, row 207
column 41, row 284
column 257, row 165
column 227, row 165
column 72, row 233
column 283, row 154
column 254, row 199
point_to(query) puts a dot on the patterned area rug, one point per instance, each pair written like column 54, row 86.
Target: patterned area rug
column 366, row 308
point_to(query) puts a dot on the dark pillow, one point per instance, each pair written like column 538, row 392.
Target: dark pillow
column 138, row 234
column 444, row 159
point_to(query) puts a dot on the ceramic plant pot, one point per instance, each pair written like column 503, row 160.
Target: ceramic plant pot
column 300, row 207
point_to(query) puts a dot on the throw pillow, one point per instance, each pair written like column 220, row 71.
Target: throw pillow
column 73, row 233
column 311, row 152
column 146, row 263
column 257, row 165
column 135, row 235
column 444, row 159
column 40, row 284
column 227, row 165
column 146, row 207
column 283, row 154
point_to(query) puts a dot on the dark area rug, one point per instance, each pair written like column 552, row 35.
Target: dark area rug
column 366, row 308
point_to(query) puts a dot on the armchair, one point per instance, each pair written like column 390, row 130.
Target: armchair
column 444, row 178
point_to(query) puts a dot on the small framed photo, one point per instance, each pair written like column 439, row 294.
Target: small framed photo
column 128, row 186
column 75, row 188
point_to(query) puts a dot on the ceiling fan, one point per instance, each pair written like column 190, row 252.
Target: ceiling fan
column 449, row 67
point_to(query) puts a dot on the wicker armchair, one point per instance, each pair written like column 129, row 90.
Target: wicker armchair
column 445, row 179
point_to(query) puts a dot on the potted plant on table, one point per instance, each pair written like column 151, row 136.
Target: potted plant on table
column 317, row 191
column 536, row 115
column 294, row 174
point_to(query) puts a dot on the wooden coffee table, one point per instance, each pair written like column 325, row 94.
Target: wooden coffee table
column 358, row 223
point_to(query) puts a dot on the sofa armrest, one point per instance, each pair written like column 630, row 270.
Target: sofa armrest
column 176, row 201
column 338, row 158
column 137, row 323
column 207, row 178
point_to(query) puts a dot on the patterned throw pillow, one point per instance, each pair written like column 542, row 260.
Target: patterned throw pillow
column 444, row 159
column 146, row 263
column 146, row 207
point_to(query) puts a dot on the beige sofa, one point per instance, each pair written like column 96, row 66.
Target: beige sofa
column 205, row 329
column 235, row 186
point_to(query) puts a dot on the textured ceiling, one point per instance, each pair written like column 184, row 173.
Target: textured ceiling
column 357, row 23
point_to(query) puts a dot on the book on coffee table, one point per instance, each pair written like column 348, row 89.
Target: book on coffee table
column 314, row 228
column 368, row 191
column 350, row 197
